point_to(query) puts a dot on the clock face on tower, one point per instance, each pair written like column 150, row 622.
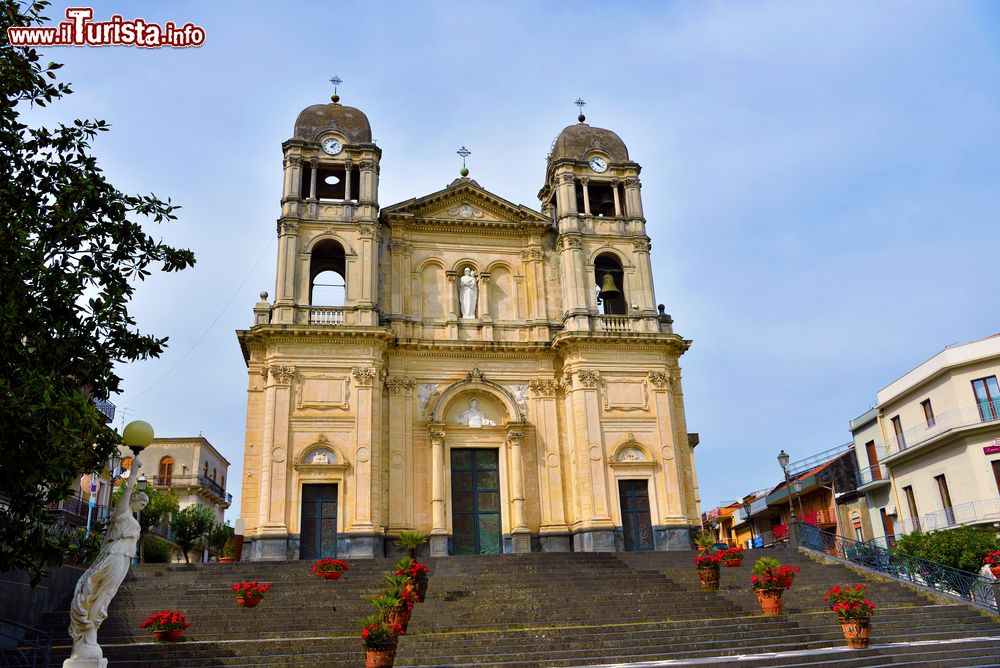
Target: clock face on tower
column 598, row 164
column 332, row 147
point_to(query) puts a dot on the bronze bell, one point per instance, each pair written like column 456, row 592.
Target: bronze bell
column 608, row 288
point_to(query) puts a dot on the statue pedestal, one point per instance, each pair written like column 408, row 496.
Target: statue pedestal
column 85, row 663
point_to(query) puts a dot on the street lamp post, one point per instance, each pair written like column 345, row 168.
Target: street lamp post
column 747, row 502
column 783, row 462
column 137, row 436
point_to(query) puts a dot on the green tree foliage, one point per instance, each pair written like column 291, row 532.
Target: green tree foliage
column 190, row 525
column 72, row 250
column 155, row 550
column 963, row 547
column 219, row 535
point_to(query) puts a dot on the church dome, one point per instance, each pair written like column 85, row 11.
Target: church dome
column 350, row 122
column 575, row 141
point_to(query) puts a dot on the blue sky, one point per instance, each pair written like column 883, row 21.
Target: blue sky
column 821, row 180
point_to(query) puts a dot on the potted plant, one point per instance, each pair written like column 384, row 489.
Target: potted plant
column 704, row 540
column 167, row 625
column 396, row 601
column 708, row 570
column 380, row 639
column 228, row 551
column 411, row 540
column 770, row 579
column 249, row 594
column 418, row 575
column 854, row 612
column 733, row 557
column 993, row 561
column 330, row 568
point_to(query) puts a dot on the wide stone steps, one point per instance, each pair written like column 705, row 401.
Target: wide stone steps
column 532, row 610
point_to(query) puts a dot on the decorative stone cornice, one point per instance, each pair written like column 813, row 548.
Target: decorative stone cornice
column 588, row 377
column 399, row 385
column 282, row 375
column 364, row 376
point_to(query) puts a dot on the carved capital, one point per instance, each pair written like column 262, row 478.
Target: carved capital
column 399, row 385
column 514, row 438
column 437, row 437
column 545, row 387
column 364, row 376
column 367, row 231
column 588, row 377
column 571, row 241
column 294, row 160
column 585, row 180
column 282, row 375
column 366, row 165
column 531, row 254
column 397, row 246
column 659, row 379
column 641, row 245
column 288, row 228
column 567, row 178
column 632, row 182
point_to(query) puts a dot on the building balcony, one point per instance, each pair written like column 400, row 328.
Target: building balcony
column 106, row 408
column 821, row 517
column 871, row 478
column 189, row 481
column 973, row 512
column 74, row 510
column 969, row 416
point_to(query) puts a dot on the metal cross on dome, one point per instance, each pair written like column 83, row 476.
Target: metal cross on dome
column 580, row 103
column 336, row 81
column 465, row 153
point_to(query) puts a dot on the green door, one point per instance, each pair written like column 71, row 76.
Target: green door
column 318, row 537
column 636, row 523
column 475, row 501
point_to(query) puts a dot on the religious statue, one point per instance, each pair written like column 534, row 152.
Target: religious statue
column 321, row 457
column 468, row 293
column 99, row 584
column 474, row 417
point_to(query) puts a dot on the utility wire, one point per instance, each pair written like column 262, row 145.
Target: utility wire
column 207, row 329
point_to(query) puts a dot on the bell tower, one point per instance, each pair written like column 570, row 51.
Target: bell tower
column 328, row 229
column 592, row 194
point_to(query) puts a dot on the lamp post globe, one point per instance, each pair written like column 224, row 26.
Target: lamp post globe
column 783, row 460
column 137, row 435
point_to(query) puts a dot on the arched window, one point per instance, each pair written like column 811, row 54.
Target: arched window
column 205, row 472
column 610, row 279
column 127, row 463
column 213, row 474
column 166, row 474
column 327, row 274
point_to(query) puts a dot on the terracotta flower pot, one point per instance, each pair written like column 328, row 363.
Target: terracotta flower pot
column 168, row 636
column 995, row 570
column 249, row 601
column 332, row 575
column 709, row 578
column 399, row 616
column 380, row 657
column 226, row 560
column 733, row 564
column 421, row 589
column 770, row 604
column 857, row 633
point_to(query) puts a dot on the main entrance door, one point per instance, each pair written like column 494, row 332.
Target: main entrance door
column 638, row 529
column 319, row 522
column 475, row 501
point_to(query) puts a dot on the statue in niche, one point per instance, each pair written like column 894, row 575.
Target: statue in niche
column 99, row 584
column 468, row 293
column 474, row 417
column 321, row 457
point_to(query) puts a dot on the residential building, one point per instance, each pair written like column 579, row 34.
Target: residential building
column 499, row 377
column 720, row 521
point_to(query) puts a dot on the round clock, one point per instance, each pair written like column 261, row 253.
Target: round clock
column 332, row 147
column 598, row 164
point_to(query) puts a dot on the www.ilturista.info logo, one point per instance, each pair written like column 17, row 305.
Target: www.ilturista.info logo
column 79, row 30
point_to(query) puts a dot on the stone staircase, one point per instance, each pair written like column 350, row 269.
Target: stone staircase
column 535, row 610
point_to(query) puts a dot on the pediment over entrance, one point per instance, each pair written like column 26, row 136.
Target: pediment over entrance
column 463, row 202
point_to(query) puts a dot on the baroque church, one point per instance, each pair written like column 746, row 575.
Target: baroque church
column 495, row 376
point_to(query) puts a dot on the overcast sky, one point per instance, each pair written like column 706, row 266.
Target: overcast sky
column 821, row 180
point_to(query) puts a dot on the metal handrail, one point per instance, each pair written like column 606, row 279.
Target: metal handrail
column 946, row 580
column 967, row 416
column 971, row 512
column 821, row 458
column 25, row 646
column 876, row 473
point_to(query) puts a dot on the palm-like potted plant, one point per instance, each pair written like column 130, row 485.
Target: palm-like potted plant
column 770, row 580
column 380, row 639
column 330, row 568
column 167, row 625
column 395, row 602
column 418, row 576
column 708, row 570
column 411, row 540
column 704, row 540
column 854, row 612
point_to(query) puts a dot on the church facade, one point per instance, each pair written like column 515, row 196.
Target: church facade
column 495, row 376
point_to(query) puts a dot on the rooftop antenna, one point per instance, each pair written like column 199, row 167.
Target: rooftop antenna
column 336, row 81
column 580, row 103
column 465, row 153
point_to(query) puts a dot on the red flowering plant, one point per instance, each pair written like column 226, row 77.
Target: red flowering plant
column 253, row 589
column 733, row 554
column 414, row 569
column 708, row 560
column 377, row 634
column 329, row 565
column 993, row 558
column 850, row 603
column 165, row 620
column 770, row 577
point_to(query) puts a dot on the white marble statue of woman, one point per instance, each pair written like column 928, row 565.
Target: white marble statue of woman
column 100, row 583
column 467, row 293
column 474, row 417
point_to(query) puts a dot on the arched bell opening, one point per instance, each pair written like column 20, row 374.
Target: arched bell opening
column 609, row 278
column 327, row 274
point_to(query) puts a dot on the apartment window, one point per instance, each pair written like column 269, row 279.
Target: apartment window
column 897, row 429
column 911, row 504
column 928, row 412
column 987, row 398
column 166, row 472
column 859, row 535
column 942, row 486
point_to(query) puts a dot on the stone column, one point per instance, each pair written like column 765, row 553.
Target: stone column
column 553, row 533
column 586, row 195
column 633, row 201
column 347, row 181
column 567, row 194
column 312, row 180
column 439, row 522
column 618, row 204
column 598, row 530
column 646, row 299
column 520, row 535
column 400, row 439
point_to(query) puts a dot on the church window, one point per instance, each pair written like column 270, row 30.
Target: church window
column 327, row 272
column 610, row 280
column 166, row 472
